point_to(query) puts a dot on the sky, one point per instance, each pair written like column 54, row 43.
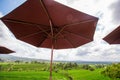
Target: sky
column 98, row 50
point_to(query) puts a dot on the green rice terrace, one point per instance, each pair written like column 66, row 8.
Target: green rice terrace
column 61, row 71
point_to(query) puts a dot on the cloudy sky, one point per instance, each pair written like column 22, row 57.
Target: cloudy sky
column 107, row 11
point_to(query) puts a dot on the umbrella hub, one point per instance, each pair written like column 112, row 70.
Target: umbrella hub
column 56, row 31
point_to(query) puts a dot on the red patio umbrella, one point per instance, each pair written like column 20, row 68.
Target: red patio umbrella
column 49, row 24
column 4, row 50
column 113, row 37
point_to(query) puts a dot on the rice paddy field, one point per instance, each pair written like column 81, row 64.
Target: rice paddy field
column 40, row 71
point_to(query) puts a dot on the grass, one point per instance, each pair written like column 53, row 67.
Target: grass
column 24, row 75
column 62, row 75
column 42, row 75
column 87, row 75
column 23, row 71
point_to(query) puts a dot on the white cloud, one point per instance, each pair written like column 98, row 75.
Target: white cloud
column 1, row 14
column 116, row 11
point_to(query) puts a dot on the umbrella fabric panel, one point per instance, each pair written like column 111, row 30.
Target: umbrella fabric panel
column 21, row 30
column 29, row 33
column 70, row 41
column 35, row 40
column 117, row 41
column 4, row 50
column 58, row 44
column 85, row 30
column 113, row 37
column 31, row 11
column 75, row 40
column 62, row 15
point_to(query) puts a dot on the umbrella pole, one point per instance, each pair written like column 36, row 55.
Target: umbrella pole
column 51, row 61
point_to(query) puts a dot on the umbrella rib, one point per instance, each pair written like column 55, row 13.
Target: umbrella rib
column 41, row 42
column 89, row 20
column 68, row 40
column 48, row 15
column 45, row 9
column 45, row 31
column 23, row 22
column 78, row 35
column 31, row 34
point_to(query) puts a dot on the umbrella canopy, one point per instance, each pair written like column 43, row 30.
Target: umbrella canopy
column 4, row 50
column 48, row 20
column 113, row 37
column 49, row 24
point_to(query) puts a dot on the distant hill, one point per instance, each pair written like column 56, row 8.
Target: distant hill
column 89, row 62
column 5, row 57
column 94, row 62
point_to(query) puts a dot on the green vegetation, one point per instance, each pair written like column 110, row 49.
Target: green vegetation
column 61, row 71
column 112, row 71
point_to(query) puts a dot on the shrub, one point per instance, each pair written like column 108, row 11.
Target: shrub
column 112, row 71
column 0, row 67
column 88, row 67
column 91, row 69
